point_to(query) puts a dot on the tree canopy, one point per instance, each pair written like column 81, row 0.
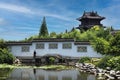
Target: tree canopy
column 107, row 44
column 5, row 55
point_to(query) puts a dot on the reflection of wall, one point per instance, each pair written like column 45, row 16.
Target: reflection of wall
column 39, row 74
column 66, row 78
column 41, row 77
column 57, row 75
column 53, row 77
column 31, row 74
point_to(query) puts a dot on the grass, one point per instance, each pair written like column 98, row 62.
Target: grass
column 12, row 66
column 49, row 67
column 55, row 67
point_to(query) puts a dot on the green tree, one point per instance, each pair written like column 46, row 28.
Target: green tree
column 2, row 44
column 59, row 35
column 103, row 63
column 53, row 35
column 6, row 56
column 115, row 45
column 109, row 45
column 114, row 62
column 101, row 45
column 43, row 29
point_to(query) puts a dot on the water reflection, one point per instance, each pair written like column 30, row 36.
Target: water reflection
column 4, row 73
column 39, row 74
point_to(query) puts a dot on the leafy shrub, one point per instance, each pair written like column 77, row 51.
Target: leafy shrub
column 6, row 57
column 51, row 59
column 103, row 63
column 84, row 59
column 114, row 63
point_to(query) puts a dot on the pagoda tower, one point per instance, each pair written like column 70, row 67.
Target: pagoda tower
column 89, row 19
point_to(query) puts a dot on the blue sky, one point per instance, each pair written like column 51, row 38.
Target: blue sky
column 20, row 19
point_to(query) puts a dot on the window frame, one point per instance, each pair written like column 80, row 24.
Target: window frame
column 67, row 46
column 53, row 46
column 25, row 48
column 40, row 47
column 82, row 47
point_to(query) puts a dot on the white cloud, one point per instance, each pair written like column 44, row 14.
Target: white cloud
column 16, row 8
column 62, row 17
column 26, row 10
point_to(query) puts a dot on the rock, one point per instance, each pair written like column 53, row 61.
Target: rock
column 100, row 76
column 117, row 72
column 77, row 64
column 104, row 71
column 118, row 75
column 109, row 77
column 118, row 78
column 112, row 73
column 17, row 61
column 100, row 70
column 108, row 68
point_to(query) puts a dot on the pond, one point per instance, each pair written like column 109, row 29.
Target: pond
column 40, row 74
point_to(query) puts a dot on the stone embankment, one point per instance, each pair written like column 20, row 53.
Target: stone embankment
column 100, row 73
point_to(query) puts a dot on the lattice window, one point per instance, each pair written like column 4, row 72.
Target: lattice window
column 81, row 49
column 40, row 46
column 67, row 46
column 53, row 46
column 25, row 49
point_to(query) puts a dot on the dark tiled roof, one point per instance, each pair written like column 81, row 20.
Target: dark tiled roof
column 82, row 43
column 50, row 40
column 54, row 40
column 90, row 15
column 18, row 43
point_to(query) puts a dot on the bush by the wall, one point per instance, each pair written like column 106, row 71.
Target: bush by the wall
column 114, row 63
column 103, row 63
column 52, row 60
column 6, row 56
column 84, row 59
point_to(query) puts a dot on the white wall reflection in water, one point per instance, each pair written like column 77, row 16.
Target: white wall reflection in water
column 39, row 74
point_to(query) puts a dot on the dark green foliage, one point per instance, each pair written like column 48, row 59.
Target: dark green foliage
column 103, row 62
column 114, row 63
column 5, row 72
column 2, row 44
column 102, row 33
column 52, row 60
column 43, row 29
column 107, row 46
column 59, row 35
column 6, row 56
column 109, row 61
column 101, row 45
column 115, row 44
column 53, row 35
column 84, row 59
